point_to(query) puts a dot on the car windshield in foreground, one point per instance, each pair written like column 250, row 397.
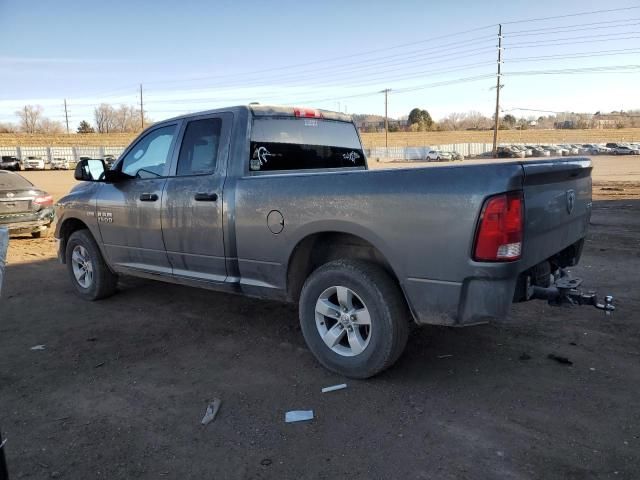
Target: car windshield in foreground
column 10, row 181
column 303, row 143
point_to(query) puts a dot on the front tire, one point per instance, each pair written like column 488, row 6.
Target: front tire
column 354, row 318
column 90, row 275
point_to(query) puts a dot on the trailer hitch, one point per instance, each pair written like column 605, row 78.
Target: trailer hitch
column 565, row 292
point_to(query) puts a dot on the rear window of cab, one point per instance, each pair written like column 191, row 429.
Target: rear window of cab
column 292, row 143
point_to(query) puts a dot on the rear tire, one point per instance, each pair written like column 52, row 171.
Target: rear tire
column 90, row 275
column 359, row 349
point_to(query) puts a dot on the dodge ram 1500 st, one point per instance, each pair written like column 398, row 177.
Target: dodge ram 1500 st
column 277, row 202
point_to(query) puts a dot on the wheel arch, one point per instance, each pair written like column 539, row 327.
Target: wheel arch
column 318, row 248
column 64, row 231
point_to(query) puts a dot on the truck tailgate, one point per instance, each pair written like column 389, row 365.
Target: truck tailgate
column 557, row 199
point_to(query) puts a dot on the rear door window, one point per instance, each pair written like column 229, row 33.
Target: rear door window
column 199, row 150
column 292, row 143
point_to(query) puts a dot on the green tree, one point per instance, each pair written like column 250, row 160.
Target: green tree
column 84, row 127
column 415, row 116
column 509, row 120
column 419, row 117
column 426, row 119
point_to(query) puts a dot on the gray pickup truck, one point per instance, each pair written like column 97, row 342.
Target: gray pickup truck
column 277, row 202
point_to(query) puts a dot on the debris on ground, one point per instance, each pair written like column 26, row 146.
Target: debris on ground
column 333, row 388
column 266, row 462
column 37, row 347
column 298, row 416
column 212, row 411
column 525, row 356
column 612, row 189
column 99, row 365
column 445, row 356
column 559, row 359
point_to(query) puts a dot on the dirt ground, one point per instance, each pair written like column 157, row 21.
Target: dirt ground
column 121, row 385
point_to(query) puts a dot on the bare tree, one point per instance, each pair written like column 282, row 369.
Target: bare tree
column 29, row 117
column 105, row 118
column 127, row 119
column 476, row 120
column 8, row 127
column 452, row 121
column 46, row 125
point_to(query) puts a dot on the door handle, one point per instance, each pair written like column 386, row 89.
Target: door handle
column 148, row 197
column 206, row 197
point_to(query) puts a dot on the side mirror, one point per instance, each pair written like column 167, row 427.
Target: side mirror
column 90, row 170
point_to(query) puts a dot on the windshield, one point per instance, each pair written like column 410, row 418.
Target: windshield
column 304, row 143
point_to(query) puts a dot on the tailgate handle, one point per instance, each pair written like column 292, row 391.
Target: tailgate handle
column 148, row 197
column 206, row 197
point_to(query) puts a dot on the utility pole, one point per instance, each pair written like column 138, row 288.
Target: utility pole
column 386, row 118
column 498, row 86
column 141, row 109
column 66, row 115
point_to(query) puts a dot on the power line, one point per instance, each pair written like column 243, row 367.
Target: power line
column 376, row 79
column 592, row 12
column 568, row 28
column 554, row 41
column 329, row 60
column 577, row 55
column 555, row 44
column 297, row 77
column 599, row 22
column 569, row 71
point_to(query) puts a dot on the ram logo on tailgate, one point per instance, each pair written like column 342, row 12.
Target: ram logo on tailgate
column 571, row 201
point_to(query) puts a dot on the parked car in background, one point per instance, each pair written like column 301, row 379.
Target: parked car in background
column 8, row 162
column 527, row 151
column 23, row 207
column 439, row 155
column 510, row 152
column 613, row 145
column 593, row 149
column 33, row 163
column 626, row 150
column 571, row 150
column 62, row 164
column 457, row 156
column 538, row 151
column 556, row 150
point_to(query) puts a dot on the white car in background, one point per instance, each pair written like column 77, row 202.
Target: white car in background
column 33, row 163
column 439, row 156
column 61, row 164
column 571, row 150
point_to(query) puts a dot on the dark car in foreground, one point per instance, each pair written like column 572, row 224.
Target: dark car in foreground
column 23, row 207
column 10, row 163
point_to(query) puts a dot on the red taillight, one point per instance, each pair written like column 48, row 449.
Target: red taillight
column 307, row 113
column 43, row 200
column 499, row 236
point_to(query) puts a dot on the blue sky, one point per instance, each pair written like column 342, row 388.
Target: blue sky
column 194, row 55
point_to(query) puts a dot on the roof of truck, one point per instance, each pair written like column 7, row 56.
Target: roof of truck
column 259, row 110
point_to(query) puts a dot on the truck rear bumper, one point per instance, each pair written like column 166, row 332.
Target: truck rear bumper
column 474, row 301
column 484, row 297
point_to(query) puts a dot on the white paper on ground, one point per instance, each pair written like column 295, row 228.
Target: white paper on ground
column 333, row 388
column 298, row 416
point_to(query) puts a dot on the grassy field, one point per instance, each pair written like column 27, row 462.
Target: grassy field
column 398, row 139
